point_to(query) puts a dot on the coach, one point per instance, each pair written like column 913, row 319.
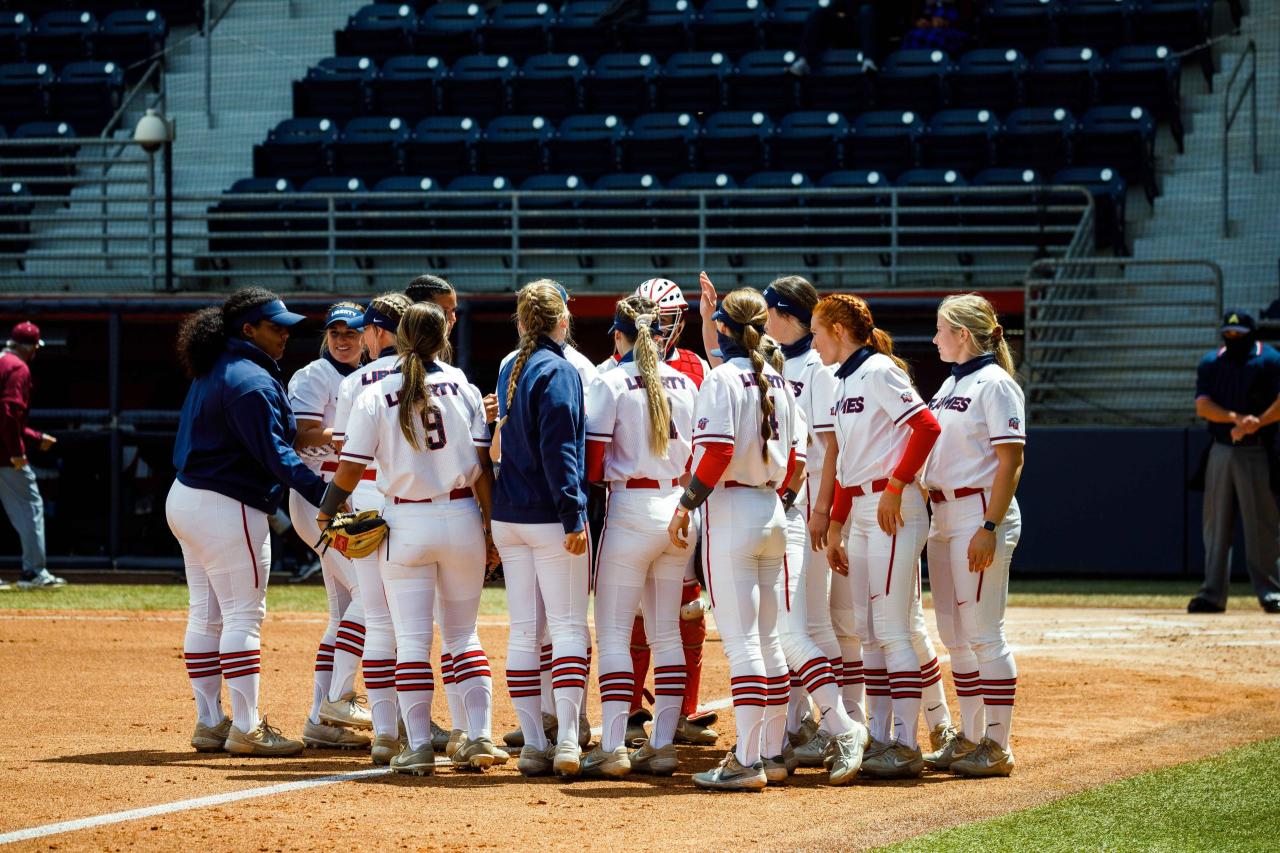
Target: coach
column 18, row 489
column 1238, row 393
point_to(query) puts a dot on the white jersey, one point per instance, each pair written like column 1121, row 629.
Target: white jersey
column 349, row 391
column 618, row 413
column 446, row 458
column 586, row 370
column 728, row 411
column 976, row 412
column 814, row 385
column 874, row 399
column 672, row 356
column 313, row 396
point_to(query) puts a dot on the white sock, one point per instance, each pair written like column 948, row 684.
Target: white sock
column 204, row 668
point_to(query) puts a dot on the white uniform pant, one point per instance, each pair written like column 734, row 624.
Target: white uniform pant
column 538, row 568
column 436, row 549
column 380, row 639
column 969, row 607
column 639, row 566
column 743, row 544
column 226, row 549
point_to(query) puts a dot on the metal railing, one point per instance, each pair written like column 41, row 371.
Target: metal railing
column 1116, row 341
column 1232, row 101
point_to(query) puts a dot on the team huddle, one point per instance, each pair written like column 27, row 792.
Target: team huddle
column 794, row 475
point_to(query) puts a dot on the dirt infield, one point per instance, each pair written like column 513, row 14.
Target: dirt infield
column 99, row 713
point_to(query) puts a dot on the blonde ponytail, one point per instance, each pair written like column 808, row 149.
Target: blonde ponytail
column 747, row 308
column 539, row 310
column 973, row 313
column 419, row 341
column 644, row 313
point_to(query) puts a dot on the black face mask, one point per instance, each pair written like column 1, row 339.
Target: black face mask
column 1239, row 349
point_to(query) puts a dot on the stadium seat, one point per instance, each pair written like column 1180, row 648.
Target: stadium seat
column 517, row 29
column 576, row 29
column 692, row 81
column 769, row 228
column 660, row 144
column 310, row 219
column 681, row 231
column 885, row 141
column 810, row 141
column 378, row 31
column 477, row 86
column 731, row 26
column 44, row 178
column 16, row 204
column 854, row 213
column 265, row 228
column 1027, row 25
column 1120, row 138
column 62, row 37
column 1101, row 24
column 761, row 82
column 960, row 139
column 1178, row 24
column 514, row 146
column 620, row 83
column 586, row 144
column 1064, row 77
column 839, row 83
column 479, row 209
column 297, row 148
column 407, row 86
column 735, row 142
column 442, row 147
column 370, row 148
column 624, row 212
column 549, row 211
column 1109, row 191
column 988, row 78
column 1147, row 76
column 448, row 30
column 15, row 29
column 25, row 90
column 87, row 94
column 549, row 85
column 1037, row 138
column 664, row 29
column 409, row 210
column 913, row 80
column 336, row 88
column 786, row 22
column 1017, row 227
column 131, row 38
column 938, row 226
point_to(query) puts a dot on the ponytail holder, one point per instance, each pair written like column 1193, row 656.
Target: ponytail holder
column 997, row 334
column 644, row 321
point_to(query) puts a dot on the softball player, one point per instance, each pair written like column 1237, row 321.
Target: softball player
column 313, row 396
column 539, row 512
column 884, row 431
column 234, row 458
column 972, row 475
column 639, row 428
column 424, row 427
column 378, row 326
column 804, row 607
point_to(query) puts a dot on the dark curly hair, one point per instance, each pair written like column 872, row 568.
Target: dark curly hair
column 203, row 335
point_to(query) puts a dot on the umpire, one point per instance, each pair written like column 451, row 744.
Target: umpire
column 1238, row 393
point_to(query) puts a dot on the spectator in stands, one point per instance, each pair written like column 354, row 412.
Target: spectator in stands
column 18, row 489
column 843, row 23
column 941, row 24
column 1238, row 393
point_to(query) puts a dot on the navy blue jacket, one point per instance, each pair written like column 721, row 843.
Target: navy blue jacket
column 544, row 443
column 1246, row 386
column 235, row 436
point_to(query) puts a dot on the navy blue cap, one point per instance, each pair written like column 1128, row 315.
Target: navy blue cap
column 1238, row 321
column 275, row 311
column 342, row 314
column 373, row 317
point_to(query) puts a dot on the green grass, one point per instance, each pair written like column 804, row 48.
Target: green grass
column 1117, row 593
column 1222, row 803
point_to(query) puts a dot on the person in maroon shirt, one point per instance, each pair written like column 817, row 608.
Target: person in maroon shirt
column 18, row 490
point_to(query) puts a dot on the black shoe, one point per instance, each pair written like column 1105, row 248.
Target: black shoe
column 1271, row 604
column 1202, row 605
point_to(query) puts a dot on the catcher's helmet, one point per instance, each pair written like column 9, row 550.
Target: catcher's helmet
column 671, row 307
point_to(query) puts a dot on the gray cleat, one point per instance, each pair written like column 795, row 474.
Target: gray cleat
column 846, row 755
column 989, row 759
column 812, row 752
column 321, row 736
column 566, row 759
column 211, row 738
column 730, row 775
column 419, row 762
column 954, row 745
column 655, row 762
column 534, row 761
column 899, row 761
column 478, row 754
column 614, row 765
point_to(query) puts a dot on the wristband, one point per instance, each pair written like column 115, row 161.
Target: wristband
column 788, row 498
column 694, row 494
column 334, row 497
column 890, row 489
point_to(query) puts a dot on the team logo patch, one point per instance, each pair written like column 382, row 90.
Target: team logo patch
column 1014, row 423
column 906, row 396
column 702, row 423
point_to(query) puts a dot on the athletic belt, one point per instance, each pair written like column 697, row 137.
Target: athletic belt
column 939, row 496
column 876, row 487
column 330, row 467
column 645, row 483
column 734, row 484
column 455, row 495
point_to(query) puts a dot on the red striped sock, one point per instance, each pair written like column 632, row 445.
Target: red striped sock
column 469, row 665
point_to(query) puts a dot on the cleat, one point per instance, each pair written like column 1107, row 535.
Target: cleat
column 789, row 758
column 989, row 759
column 775, row 769
column 636, row 734
column 211, row 738
column 515, row 737
column 566, row 759
column 813, row 751
column 439, row 737
column 350, row 710
column 614, row 765
column 898, row 761
column 385, row 747
column 584, row 731
column 730, row 775
column 262, row 741
column 846, row 755
column 949, row 746
column 808, row 729
column 320, row 736
column 478, row 754
column 534, row 761
column 419, row 762
column 655, row 762
column 42, row 580
column 687, row 731
column 704, row 717
column 457, row 738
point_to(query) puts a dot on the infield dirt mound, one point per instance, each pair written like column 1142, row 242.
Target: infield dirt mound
column 99, row 713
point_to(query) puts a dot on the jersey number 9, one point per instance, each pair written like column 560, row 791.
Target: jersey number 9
column 436, row 437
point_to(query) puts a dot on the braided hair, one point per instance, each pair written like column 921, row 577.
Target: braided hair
column 644, row 313
column 747, row 307
column 539, row 310
column 853, row 313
